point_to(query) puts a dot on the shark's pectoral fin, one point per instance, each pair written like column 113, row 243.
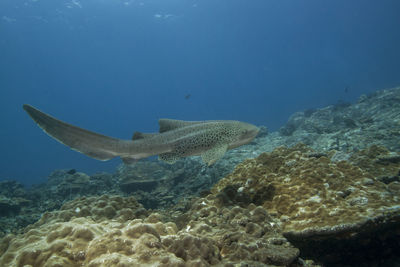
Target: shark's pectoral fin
column 169, row 157
column 212, row 155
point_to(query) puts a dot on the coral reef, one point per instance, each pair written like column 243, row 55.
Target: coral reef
column 20, row 206
column 334, row 199
column 320, row 201
column 374, row 119
column 14, row 201
column 115, row 231
column 71, row 183
column 246, row 235
column 109, row 234
column 12, row 197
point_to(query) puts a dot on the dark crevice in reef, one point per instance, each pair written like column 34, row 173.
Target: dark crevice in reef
column 375, row 246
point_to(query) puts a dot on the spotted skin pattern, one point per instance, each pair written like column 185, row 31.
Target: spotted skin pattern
column 211, row 144
column 176, row 139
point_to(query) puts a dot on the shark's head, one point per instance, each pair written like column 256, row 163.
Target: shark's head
column 244, row 134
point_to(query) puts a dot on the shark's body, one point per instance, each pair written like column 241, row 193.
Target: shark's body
column 176, row 139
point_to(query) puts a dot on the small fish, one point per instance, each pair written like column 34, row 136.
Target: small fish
column 187, row 96
column 176, row 139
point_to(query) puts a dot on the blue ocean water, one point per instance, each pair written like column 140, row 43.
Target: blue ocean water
column 116, row 66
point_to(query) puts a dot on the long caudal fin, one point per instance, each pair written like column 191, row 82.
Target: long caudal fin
column 92, row 144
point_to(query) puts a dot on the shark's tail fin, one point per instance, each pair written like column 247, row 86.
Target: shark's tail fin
column 92, row 144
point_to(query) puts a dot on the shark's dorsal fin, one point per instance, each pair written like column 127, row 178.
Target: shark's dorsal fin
column 169, row 124
column 139, row 135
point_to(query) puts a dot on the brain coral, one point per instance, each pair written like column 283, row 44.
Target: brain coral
column 83, row 242
column 253, row 217
column 82, row 235
column 95, row 231
column 100, row 208
column 232, row 234
column 316, row 198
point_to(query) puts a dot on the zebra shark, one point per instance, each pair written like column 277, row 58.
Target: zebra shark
column 176, row 139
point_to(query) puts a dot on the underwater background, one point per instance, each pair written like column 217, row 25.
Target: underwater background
column 116, row 67
column 318, row 187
